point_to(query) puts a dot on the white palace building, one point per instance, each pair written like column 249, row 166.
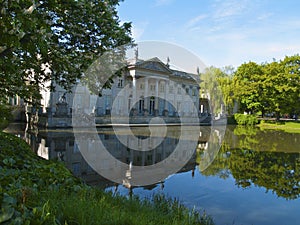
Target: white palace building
column 148, row 88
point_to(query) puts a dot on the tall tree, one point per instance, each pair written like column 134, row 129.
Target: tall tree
column 226, row 84
column 210, row 86
column 273, row 87
column 217, row 84
column 282, row 86
column 54, row 40
column 248, row 82
column 291, row 85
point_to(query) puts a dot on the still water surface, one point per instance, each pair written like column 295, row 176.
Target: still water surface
column 252, row 178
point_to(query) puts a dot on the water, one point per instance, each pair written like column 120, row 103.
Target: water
column 241, row 176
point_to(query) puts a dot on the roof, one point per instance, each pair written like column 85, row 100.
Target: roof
column 155, row 64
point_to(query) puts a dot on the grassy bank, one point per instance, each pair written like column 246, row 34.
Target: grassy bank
column 287, row 126
column 37, row 191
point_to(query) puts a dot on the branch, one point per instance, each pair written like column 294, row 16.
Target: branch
column 31, row 8
column 7, row 51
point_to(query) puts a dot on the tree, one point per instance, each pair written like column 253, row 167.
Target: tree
column 54, row 40
column 291, row 85
column 209, row 86
column 249, row 87
column 273, row 87
column 226, row 84
column 282, row 85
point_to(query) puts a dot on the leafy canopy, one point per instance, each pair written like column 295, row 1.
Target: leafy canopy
column 270, row 87
column 54, row 40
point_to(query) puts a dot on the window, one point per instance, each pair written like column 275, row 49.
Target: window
column 171, row 89
column 107, row 99
column 141, row 104
column 152, row 87
column 142, row 86
column 179, row 90
column 149, row 157
column 76, row 168
column 187, row 90
column 71, row 143
column 75, row 148
column 193, row 92
column 120, row 83
column 129, row 104
column 178, row 106
column 162, row 87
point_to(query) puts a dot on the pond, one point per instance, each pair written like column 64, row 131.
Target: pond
column 241, row 175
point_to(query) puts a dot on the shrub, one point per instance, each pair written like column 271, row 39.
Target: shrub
column 5, row 116
column 248, row 120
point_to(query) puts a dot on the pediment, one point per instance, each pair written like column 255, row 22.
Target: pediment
column 154, row 65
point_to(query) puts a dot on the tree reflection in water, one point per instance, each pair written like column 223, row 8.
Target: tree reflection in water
column 253, row 157
column 268, row 159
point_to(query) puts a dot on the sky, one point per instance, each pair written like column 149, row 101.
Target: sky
column 219, row 32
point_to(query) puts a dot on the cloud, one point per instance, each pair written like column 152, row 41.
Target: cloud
column 138, row 30
column 265, row 16
column 192, row 22
column 163, row 2
column 224, row 11
column 222, row 16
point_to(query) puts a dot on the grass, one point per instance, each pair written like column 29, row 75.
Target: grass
column 287, row 126
column 38, row 191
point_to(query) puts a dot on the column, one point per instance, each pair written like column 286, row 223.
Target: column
column 125, row 97
column 133, row 90
column 175, row 96
column 156, row 98
column 146, row 97
column 166, row 94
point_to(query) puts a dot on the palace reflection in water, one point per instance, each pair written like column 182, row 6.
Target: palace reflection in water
column 252, row 177
column 61, row 145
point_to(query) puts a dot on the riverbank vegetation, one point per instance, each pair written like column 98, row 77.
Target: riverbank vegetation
column 38, row 191
column 267, row 89
column 286, row 126
column 244, row 119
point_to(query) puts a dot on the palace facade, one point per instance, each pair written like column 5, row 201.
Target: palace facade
column 148, row 88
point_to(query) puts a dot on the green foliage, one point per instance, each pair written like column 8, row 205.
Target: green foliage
column 245, row 119
column 5, row 115
column 271, row 87
column 38, row 191
column 54, row 40
column 248, row 86
column 217, row 84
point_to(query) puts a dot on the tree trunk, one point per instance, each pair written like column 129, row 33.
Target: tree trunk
column 277, row 116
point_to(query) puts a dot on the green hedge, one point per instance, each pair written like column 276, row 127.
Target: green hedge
column 245, row 119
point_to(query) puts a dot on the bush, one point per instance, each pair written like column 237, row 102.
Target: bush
column 5, row 116
column 248, row 120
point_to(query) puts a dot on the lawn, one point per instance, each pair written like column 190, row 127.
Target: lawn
column 287, row 126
